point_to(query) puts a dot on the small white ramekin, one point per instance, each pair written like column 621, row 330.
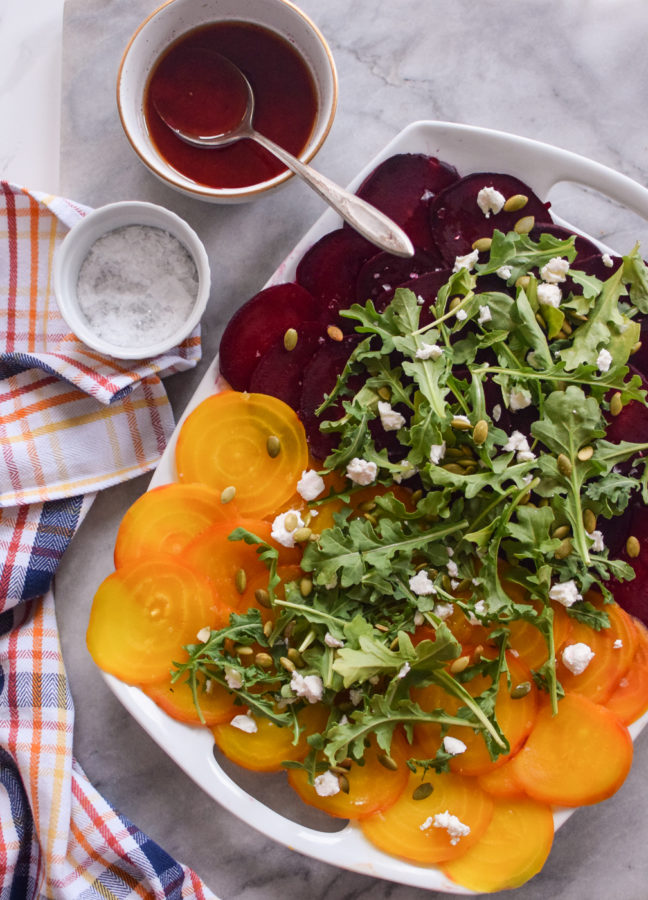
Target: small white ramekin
column 177, row 17
column 74, row 248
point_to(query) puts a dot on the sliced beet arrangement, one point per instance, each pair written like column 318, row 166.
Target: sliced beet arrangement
column 319, row 379
column 457, row 220
column 385, row 272
column 280, row 371
column 403, row 186
column 329, row 269
column 627, row 537
column 585, row 249
column 259, row 324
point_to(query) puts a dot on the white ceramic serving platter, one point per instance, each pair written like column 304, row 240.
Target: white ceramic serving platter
column 469, row 150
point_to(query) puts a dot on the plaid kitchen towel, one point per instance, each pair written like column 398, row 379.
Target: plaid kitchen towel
column 71, row 423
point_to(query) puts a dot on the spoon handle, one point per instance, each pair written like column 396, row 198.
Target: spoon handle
column 365, row 218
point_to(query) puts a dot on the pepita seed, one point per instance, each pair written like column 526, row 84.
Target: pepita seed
column 524, row 225
column 339, row 770
column 541, row 322
column 267, row 629
column 240, row 580
column 290, row 339
column 423, row 791
column 287, row 664
column 564, row 549
column 454, row 468
column 291, row 522
column 454, row 303
column 516, row 202
column 561, row 532
column 636, row 348
column 382, row 627
column 388, row 762
column 460, row 424
column 263, row 660
column 370, row 518
column 523, row 281
column 273, row 446
column 302, row 534
column 566, row 327
column 394, row 644
column 589, row 521
column 228, row 494
column 242, row 650
column 305, row 587
column 344, row 783
column 416, row 496
column 633, row 547
column 480, row 432
column 521, row 690
column 586, row 453
column 295, row 656
column 262, row 597
column 616, row 404
column 482, row 244
column 459, row 664
column 367, row 506
column 335, row 333
column 564, row 465
column 384, row 392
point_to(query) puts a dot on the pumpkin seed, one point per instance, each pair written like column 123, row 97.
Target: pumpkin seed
column 633, row 547
column 288, row 664
column 335, row 333
column 242, row 650
column 482, row 244
column 295, row 656
column 565, row 549
column 454, row 468
column 263, row 660
column 561, row 532
column 240, row 580
column 480, row 432
column 564, row 465
column 388, row 762
column 291, row 522
column 524, row 225
column 423, row 791
column 267, row 629
column 367, row 506
column 384, row 392
column 523, row 281
column 460, row 424
column 305, row 587
column 589, row 521
column 302, row 534
column 521, row 690
column 459, row 664
column 228, row 494
column 290, row 339
column 516, row 202
column 262, row 597
column 273, row 446
column 454, row 303
column 344, row 783
column 636, row 348
column 586, row 453
column 616, row 404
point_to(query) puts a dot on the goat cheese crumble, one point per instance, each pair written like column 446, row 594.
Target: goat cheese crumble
column 280, row 533
column 244, row 723
column 454, row 826
column 362, row 471
column 390, row 419
column 437, row 452
column 429, row 351
column 565, row 592
column 310, row 485
column 421, row 584
column 577, row 657
column 453, row 745
column 549, row 295
column 326, row 784
column 555, row 271
column 490, row 200
column 466, row 262
column 604, row 360
column 309, row 686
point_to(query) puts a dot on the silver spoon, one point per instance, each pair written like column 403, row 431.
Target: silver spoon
column 372, row 224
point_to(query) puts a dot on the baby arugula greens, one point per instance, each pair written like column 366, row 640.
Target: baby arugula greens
column 504, row 399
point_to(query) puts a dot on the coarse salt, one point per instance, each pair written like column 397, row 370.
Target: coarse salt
column 137, row 286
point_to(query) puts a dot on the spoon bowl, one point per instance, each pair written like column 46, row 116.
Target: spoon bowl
column 211, row 105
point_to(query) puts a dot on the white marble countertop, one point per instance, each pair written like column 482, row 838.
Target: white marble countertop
column 570, row 73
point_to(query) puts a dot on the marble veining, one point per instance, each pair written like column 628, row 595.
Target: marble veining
column 571, row 73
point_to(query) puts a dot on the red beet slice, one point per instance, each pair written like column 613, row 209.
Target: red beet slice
column 280, row 372
column 585, row 249
column 384, row 272
column 631, row 595
column 259, row 324
column 329, row 270
column 457, row 221
column 402, row 187
column 632, row 422
column 320, row 377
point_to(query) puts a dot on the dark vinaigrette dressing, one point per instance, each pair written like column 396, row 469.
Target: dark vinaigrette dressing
column 285, row 104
